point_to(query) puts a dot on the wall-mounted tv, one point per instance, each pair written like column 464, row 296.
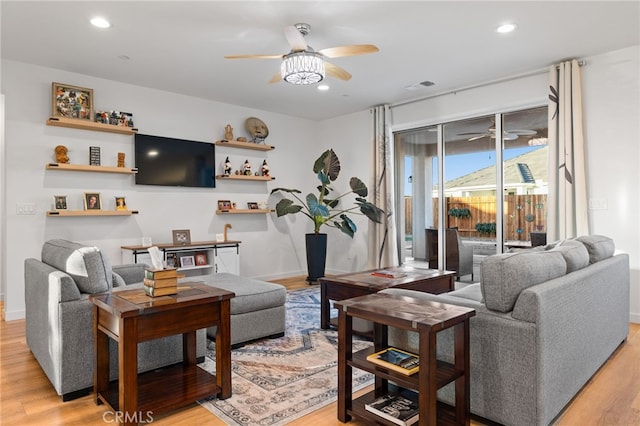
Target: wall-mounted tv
column 174, row 162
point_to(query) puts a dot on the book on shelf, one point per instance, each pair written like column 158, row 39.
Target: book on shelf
column 156, row 274
column 395, row 408
column 165, row 291
column 396, row 360
column 388, row 274
column 161, row 283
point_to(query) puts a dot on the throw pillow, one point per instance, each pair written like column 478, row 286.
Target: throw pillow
column 598, row 246
column 574, row 253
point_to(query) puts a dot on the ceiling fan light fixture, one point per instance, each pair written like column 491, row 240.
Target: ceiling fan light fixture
column 302, row 68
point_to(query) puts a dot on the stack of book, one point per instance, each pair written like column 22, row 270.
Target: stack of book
column 160, row 282
column 395, row 408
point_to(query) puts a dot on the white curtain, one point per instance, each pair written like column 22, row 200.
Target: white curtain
column 382, row 237
column 567, row 199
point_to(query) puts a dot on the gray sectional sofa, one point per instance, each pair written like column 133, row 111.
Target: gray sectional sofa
column 547, row 319
column 59, row 316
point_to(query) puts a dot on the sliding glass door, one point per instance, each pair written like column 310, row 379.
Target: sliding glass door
column 478, row 183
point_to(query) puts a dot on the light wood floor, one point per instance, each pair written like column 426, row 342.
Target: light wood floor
column 611, row 397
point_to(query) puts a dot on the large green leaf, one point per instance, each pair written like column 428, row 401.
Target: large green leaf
column 286, row 206
column 329, row 163
column 346, row 225
column 315, row 207
column 358, row 187
column 373, row 212
column 319, row 163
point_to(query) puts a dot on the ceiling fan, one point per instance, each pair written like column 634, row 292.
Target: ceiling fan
column 303, row 65
column 507, row 135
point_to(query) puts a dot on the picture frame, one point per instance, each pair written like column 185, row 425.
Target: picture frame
column 60, row 202
column 71, row 101
column 92, row 201
column 171, row 260
column 201, row 258
column 252, row 205
column 121, row 203
column 187, row 262
column 224, row 205
column 181, row 237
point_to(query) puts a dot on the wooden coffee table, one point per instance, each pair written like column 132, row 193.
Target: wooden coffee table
column 356, row 284
column 130, row 317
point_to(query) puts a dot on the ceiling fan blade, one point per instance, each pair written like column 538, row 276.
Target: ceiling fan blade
column 253, row 57
column 336, row 71
column 351, row 50
column 522, row 132
column 276, row 78
column 295, row 38
column 475, row 138
column 471, row 134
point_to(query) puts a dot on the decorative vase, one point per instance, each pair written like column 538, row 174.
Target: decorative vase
column 316, row 256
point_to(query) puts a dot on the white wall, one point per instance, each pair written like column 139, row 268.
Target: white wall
column 611, row 118
column 267, row 251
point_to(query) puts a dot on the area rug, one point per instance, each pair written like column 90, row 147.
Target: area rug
column 276, row 381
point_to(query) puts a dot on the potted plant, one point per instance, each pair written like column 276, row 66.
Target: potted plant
column 325, row 209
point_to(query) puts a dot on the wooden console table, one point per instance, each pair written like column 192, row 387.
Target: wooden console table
column 421, row 316
column 130, row 317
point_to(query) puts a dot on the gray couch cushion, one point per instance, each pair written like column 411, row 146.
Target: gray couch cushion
column 86, row 265
column 575, row 254
column 504, row 276
column 251, row 295
column 598, row 246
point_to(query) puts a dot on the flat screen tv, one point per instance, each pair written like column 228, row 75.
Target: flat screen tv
column 174, row 162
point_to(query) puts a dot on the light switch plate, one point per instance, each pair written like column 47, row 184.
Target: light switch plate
column 25, row 208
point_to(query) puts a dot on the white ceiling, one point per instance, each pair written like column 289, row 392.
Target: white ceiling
column 178, row 46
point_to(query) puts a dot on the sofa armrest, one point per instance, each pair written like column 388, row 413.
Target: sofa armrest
column 131, row 273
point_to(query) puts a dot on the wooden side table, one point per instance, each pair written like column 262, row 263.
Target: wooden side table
column 130, row 317
column 356, row 284
column 427, row 319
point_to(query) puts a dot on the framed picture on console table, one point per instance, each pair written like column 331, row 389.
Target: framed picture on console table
column 181, row 237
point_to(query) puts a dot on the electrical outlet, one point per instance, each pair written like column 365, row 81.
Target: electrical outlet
column 25, row 208
column 598, row 204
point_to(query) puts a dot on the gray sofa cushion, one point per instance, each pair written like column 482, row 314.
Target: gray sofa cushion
column 598, row 246
column 86, row 265
column 504, row 276
column 575, row 254
column 251, row 295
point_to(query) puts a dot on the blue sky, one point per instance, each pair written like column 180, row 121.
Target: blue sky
column 462, row 164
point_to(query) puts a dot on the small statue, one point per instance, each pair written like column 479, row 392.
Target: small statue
column 121, row 159
column 246, row 169
column 228, row 132
column 227, row 166
column 265, row 168
column 61, row 154
column 241, row 139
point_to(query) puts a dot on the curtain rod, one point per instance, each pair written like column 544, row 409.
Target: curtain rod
column 581, row 63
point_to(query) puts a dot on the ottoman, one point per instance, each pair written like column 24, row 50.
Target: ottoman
column 257, row 311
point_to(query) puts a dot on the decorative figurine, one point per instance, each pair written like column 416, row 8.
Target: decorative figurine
column 257, row 129
column 265, row 168
column 241, row 139
column 61, row 154
column 121, row 159
column 246, row 169
column 228, row 132
column 227, row 166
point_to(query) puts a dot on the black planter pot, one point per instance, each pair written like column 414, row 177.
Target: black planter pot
column 316, row 256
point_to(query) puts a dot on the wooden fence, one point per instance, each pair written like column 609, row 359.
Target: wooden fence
column 523, row 214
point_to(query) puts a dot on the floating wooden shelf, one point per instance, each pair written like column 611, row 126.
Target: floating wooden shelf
column 245, row 177
column 244, row 211
column 75, row 123
column 245, row 145
column 68, row 213
column 89, row 168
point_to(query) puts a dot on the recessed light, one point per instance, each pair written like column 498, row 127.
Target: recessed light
column 323, row 87
column 100, row 22
column 506, row 28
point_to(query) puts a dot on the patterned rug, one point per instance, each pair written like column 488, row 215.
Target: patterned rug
column 276, row 381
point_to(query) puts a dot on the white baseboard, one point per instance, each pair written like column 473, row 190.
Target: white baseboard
column 634, row 318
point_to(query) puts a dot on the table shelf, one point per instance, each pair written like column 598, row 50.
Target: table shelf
column 76, row 123
column 90, row 168
column 245, row 145
column 80, row 213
